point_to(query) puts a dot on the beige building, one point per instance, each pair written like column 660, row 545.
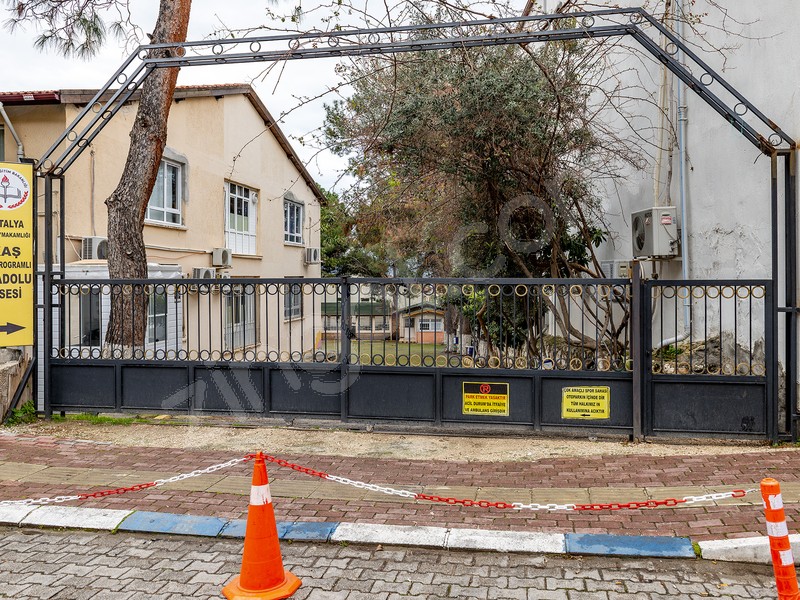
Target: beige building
column 232, row 200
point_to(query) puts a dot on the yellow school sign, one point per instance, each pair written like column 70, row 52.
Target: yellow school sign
column 16, row 254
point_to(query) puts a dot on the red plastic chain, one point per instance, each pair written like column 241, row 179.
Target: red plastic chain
column 284, row 463
column 630, row 505
column 464, row 502
column 121, row 490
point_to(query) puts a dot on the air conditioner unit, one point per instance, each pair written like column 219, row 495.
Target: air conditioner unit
column 312, row 256
column 223, row 275
column 655, row 232
column 616, row 269
column 204, row 273
column 94, row 248
column 222, row 257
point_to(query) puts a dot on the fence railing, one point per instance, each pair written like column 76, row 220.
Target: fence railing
column 555, row 324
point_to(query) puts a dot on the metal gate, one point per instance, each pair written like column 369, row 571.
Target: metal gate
column 434, row 351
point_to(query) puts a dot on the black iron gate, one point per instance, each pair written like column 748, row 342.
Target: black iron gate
column 527, row 353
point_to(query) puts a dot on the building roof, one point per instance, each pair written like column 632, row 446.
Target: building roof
column 182, row 92
column 421, row 307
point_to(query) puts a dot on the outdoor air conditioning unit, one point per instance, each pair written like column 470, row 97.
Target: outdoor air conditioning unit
column 616, row 269
column 204, row 273
column 655, row 232
column 223, row 275
column 94, row 248
column 222, row 257
column 313, row 256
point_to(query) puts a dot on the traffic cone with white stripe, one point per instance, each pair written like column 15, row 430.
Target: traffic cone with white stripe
column 779, row 546
column 262, row 575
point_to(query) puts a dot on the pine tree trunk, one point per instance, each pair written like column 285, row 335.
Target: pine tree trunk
column 127, row 258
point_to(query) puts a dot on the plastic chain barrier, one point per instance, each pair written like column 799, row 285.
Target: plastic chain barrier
column 670, row 502
column 686, row 500
column 124, row 490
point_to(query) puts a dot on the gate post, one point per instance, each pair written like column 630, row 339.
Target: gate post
column 344, row 349
column 638, row 352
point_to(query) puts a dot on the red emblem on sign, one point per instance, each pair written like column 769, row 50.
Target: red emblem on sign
column 485, row 388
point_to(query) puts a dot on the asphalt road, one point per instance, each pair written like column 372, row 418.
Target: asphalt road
column 72, row 565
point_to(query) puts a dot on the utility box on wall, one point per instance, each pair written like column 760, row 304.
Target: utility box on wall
column 655, row 232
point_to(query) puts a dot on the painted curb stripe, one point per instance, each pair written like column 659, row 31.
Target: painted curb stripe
column 76, row 517
column 746, row 550
column 629, row 545
column 155, row 522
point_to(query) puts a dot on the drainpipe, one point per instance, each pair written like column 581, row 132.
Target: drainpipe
column 682, row 126
column 7, row 121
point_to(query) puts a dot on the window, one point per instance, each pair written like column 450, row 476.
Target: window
column 157, row 318
column 2, row 143
column 293, row 301
column 240, row 319
column 430, row 324
column 166, row 201
column 365, row 323
column 90, row 317
column 381, row 323
column 292, row 222
column 408, row 322
column 240, row 219
column 331, row 323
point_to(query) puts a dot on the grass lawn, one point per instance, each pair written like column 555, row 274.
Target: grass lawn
column 388, row 351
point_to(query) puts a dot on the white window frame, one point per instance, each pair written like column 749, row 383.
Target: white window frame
column 162, row 181
column 332, row 323
column 241, row 319
column 293, row 301
column 153, row 317
column 2, row 142
column 293, row 214
column 241, row 237
column 426, row 322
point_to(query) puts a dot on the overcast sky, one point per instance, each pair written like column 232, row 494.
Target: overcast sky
column 25, row 68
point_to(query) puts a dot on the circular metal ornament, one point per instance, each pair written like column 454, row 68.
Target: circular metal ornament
column 441, row 360
column 587, row 21
column 740, row 109
column 415, row 360
column 575, row 364
column 521, row 290
column 428, row 361
column 493, row 290
column 548, row 364
column 758, row 292
column 467, row 362
column 706, row 79
column 728, row 292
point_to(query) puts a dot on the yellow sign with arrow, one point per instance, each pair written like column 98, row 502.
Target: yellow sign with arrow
column 16, row 254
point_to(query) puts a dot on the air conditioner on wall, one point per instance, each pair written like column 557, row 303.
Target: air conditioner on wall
column 222, row 257
column 204, row 273
column 655, row 232
column 94, row 248
column 313, row 256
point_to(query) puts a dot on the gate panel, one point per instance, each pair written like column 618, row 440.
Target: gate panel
column 83, row 387
column 393, row 394
column 303, row 389
column 154, row 388
column 620, row 391
column 229, row 389
column 520, row 396
column 709, row 407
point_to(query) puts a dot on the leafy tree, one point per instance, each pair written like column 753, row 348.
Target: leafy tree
column 78, row 28
column 343, row 253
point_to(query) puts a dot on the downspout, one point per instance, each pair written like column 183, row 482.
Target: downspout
column 7, row 121
column 682, row 126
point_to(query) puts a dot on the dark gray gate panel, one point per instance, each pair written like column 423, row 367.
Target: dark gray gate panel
column 305, row 389
column 155, row 388
column 227, row 389
column 709, row 407
column 621, row 407
column 394, row 395
column 520, row 398
column 82, row 386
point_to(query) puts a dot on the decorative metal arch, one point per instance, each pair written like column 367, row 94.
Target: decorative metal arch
column 675, row 55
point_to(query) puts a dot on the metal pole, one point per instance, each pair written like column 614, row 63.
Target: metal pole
column 47, row 292
column 637, row 351
column 772, row 368
column 344, row 348
column 790, row 240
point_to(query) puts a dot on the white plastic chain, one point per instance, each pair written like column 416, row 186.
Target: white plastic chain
column 198, row 472
column 157, row 482
column 714, row 496
column 372, row 487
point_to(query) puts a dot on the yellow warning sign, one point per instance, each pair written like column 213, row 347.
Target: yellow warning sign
column 16, row 254
column 586, row 402
column 484, row 398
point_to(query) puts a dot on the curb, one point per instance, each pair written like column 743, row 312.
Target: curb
column 111, row 520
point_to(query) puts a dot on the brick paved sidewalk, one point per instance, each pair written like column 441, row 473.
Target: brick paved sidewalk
column 43, row 466
column 73, row 565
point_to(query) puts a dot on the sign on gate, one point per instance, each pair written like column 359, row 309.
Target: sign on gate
column 16, row 254
column 484, row 398
column 586, row 402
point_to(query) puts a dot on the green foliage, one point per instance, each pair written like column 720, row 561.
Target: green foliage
column 24, row 414
column 344, row 251
column 481, row 154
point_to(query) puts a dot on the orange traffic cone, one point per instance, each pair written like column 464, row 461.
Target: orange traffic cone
column 779, row 545
column 262, row 575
